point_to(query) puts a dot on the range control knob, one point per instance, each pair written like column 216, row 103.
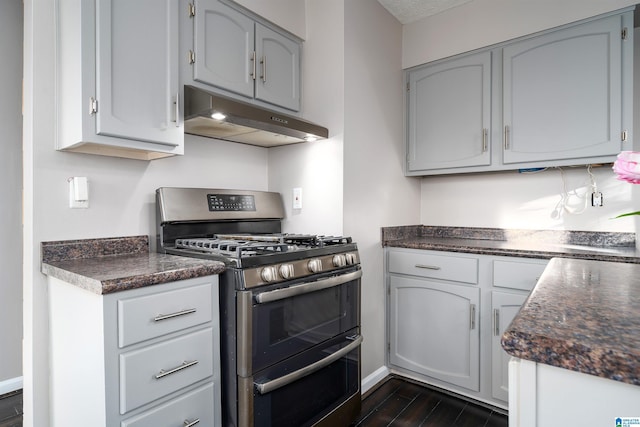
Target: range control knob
column 339, row 260
column 315, row 265
column 351, row 258
column 286, row 271
column 268, row 274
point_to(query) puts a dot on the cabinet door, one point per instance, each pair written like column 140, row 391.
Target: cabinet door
column 224, row 47
column 450, row 114
column 278, row 75
column 434, row 330
column 562, row 94
column 137, row 80
column 504, row 307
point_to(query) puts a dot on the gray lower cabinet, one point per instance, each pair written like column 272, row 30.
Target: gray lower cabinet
column 435, row 330
column 146, row 357
column 230, row 50
column 557, row 98
column 446, row 313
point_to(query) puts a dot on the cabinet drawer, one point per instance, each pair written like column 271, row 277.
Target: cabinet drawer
column 145, row 317
column 446, row 267
column 155, row 371
column 517, row 274
column 194, row 406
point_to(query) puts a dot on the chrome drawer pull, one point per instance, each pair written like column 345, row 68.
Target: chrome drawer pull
column 269, row 386
column 184, row 365
column 428, row 267
column 188, row 423
column 160, row 317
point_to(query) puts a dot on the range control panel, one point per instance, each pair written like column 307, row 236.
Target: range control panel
column 231, row 202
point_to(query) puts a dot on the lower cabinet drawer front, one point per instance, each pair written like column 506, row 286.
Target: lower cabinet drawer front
column 517, row 274
column 193, row 407
column 145, row 317
column 446, row 267
column 155, row 371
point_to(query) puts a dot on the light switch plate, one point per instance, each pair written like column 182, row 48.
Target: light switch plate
column 78, row 192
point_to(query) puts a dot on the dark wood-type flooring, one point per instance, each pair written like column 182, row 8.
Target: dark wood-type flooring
column 11, row 409
column 395, row 403
column 400, row 403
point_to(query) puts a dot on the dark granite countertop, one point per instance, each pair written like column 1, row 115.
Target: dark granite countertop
column 104, row 266
column 545, row 244
column 583, row 316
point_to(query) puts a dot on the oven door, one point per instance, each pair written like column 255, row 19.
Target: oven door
column 320, row 386
column 278, row 323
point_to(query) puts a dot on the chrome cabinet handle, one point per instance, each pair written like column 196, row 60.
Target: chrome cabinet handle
column 473, row 316
column 506, row 137
column 160, row 317
column 184, row 365
column 428, row 267
column 496, row 322
column 269, row 386
column 263, row 61
column 188, row 423
column 292, row 291
column 484, row 139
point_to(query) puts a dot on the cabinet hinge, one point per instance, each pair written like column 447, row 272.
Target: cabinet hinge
column 93, row 106
column 623, row 136
column 192, row 10
column 624, row 33
column 407, row 87
column 388, row 347
column 191, row 57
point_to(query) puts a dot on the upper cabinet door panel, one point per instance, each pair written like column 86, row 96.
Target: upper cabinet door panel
column 562, row 94
column 278, row 69
column 223, row 46
column 450, row 114
column 137, row 70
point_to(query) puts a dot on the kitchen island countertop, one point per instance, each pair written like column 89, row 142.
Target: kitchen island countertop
column 104, row 266
column 583, row 316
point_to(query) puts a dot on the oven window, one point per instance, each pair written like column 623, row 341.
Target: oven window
column 286, row 327
column 307, row 400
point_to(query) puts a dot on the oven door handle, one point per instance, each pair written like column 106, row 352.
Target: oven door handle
column 293, row 291
column 269, row 386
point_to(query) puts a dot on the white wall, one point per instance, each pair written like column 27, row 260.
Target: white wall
column 121, row 193
column 288, row 14
column 376, row 194
column 482, row 23
column 316, row 167
column 11, row 195
column 511, row 200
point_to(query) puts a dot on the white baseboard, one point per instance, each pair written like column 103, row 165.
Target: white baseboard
column 12, row 384
column 374, row 378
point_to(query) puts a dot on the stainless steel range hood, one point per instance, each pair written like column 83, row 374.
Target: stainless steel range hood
column 211, row 115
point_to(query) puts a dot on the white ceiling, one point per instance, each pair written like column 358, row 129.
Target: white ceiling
column 407, row 11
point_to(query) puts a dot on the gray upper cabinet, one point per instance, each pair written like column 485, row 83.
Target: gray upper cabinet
column 557, row 98
column 450, row 114
column 118, row 78
column 278, row 78
column 236, row 53
column 223, row 47
column 562, row 94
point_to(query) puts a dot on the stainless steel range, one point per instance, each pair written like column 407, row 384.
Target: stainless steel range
column 289, row 306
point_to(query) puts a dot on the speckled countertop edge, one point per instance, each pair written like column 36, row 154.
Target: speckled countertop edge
column 544, row 244
column 104, row 266
column 583, row 316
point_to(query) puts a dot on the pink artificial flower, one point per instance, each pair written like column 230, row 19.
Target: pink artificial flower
column 627, row 166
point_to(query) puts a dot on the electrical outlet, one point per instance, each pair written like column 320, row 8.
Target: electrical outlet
column 597, row 199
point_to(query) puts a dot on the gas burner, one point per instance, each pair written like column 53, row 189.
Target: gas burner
column 233, row 247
